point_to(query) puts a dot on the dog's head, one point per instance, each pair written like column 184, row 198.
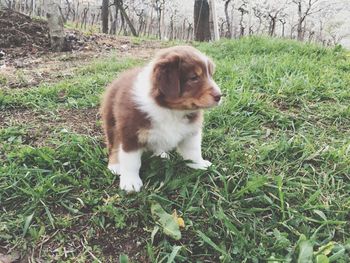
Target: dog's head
column 182, row 79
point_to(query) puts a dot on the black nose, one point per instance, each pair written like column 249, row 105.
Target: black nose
column 217, row 98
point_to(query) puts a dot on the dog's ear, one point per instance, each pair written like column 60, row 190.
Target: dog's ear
column 167, row 76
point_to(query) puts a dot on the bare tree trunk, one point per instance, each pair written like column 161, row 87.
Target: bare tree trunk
column 228, row 22
column 104, row 16
column 159, row 5
column 55, row 23
column 110, row 15
column 127, row 19
column 115, row 21
column 162, row 24
column 84, row 17
column 33, row 6
column 300, row 23
column 75, row 11
column 122, row 26
column 189, row 31
column 272, row 25
column 283, row 22
column 44, row 8
column 69, row 9
column 320, row 35
column 150, row 19
column 242, row 27
column 233, row 26
column 25, row 7
column 61, row 13
column 93, row 16
column 215, row 19
column 171, row 35
column 159, row 14
column 201, row 20
column 141, row 21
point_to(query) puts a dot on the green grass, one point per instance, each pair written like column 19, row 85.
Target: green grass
column 278, row 190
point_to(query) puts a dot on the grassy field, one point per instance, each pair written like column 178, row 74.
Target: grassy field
column 279, row 190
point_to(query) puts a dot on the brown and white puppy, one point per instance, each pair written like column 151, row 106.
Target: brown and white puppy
column 158, row 108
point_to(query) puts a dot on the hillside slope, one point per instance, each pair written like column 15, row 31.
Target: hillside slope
column 278, row 190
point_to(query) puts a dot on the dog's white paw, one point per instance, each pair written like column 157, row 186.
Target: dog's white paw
column 163, row 155
column 114, row 168
column 130, row 183
column 202, row 165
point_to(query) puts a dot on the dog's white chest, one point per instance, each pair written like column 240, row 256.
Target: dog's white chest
column 166, row 135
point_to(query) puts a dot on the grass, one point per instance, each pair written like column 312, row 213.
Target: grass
column 278, row 190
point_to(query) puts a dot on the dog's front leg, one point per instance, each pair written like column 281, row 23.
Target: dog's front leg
column 190, row 149
column 130, row 163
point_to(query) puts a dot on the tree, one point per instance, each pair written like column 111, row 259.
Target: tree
column 104, row 16
column 305, row 8
column 201, row 20
column 56, row 29
column 124, row 15
column 243, row 10
column 272, row 11
column 159, row 7
column 283, row 23
column 259, row 15
column 215, row 19
column 228, row 22
column 334, row 33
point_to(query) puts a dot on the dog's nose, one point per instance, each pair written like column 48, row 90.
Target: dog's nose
column 217, row 98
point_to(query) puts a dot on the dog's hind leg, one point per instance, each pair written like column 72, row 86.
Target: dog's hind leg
column 113, row 151
column 113, row 160
column 113, row 143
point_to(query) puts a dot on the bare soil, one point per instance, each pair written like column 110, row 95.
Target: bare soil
column 130, row 242
column 19, row 30
column 43, row 124
column 26, row 59
column 32, row 69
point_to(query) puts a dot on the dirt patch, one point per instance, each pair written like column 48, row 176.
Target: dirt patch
column 130, row 242
column 35, row 68
column 31, row 71
column 42, row 124
column 19, row 30
column 106, row 245
column 26, row 59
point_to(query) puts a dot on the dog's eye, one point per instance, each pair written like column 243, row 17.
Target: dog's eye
column 194, row 78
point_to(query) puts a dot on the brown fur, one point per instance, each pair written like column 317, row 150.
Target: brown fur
column 118, row 105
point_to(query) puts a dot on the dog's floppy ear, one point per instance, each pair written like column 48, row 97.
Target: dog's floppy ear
column 167, row 76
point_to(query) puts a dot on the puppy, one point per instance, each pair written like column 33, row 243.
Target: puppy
column 158, row 107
